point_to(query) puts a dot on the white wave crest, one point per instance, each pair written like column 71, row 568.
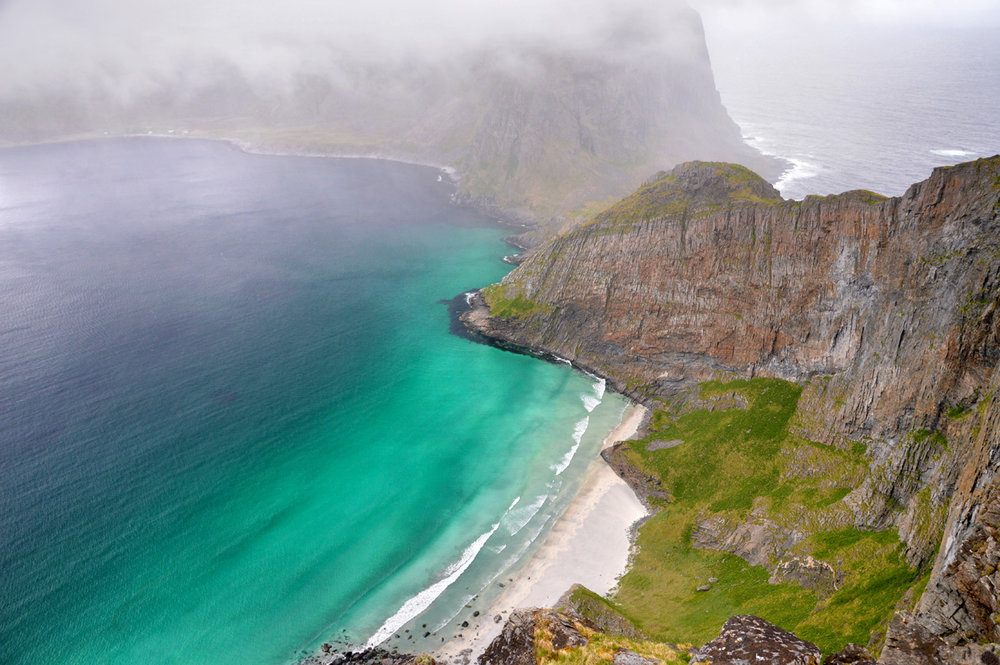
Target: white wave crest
column 599, row 387
column 580, row 428
column 952, row 152
column 468, row 297
column 414, row 606
column 589, row 402
column 800, row 170
column 578, row 432
column 515, row 520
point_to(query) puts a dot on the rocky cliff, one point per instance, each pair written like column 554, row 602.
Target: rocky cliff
column 883, row 310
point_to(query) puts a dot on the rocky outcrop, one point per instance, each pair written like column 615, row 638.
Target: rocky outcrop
column 852, row 654
column 885, row 310
column 579, row 601
column 516, row 644
column 748, row 639
column 645, row 486
column 911, row 642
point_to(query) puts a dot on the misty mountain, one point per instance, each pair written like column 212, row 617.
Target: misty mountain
column 538, row 124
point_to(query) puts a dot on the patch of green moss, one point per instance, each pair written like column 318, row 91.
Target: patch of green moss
column 734, row 461
column 600, row 649
column 504, row 306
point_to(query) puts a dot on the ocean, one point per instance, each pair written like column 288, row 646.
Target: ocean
column 235, row 423
column 873, row 109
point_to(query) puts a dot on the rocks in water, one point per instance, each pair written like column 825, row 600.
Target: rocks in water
column 465, row 624
column 852, row 654
column 748, row 639
column 367, row 657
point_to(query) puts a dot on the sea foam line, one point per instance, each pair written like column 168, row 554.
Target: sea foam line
column 578, row 432
column 516, row 521
column 414, row 606
column 952, row 152
column 599, row 387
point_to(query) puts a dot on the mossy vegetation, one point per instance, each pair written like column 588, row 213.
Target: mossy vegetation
column 601, row 648
column 506, row 306
column 742, row 466
column 671, row 194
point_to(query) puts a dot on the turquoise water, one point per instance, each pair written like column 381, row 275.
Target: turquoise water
column 234, row 422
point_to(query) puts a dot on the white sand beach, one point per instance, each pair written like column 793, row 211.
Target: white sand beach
column 589, row 545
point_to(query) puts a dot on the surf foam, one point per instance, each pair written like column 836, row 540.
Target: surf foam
column 414, row 606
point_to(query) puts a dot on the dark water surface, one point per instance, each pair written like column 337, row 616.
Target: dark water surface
column 233, row 423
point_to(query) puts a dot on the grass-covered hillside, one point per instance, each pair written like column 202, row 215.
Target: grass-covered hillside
column 738, row 480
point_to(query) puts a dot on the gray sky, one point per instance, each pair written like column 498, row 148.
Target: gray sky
column 137, row 45
column 744, row 15
column 130, row 49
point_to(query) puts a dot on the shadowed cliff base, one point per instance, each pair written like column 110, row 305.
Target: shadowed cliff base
column 881, row 314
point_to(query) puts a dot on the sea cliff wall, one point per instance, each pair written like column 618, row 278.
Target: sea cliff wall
column 884, row 310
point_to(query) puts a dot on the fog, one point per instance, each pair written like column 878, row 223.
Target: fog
column 135, row 47
column 746, row 16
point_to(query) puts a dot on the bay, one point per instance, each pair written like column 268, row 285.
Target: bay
column 234, row 421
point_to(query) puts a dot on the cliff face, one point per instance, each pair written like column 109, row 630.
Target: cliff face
column 884, row 309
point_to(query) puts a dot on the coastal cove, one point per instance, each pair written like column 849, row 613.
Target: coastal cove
column 237, row 420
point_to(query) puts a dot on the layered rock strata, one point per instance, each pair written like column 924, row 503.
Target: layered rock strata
column 884, row 309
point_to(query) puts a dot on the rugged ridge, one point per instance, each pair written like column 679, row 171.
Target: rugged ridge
column 885, row 310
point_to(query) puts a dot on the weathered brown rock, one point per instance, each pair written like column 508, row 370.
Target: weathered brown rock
column 515, row 645
column 852, row 654
column 645, row 485
column 599, row 615
column 747, row 640
column 895, row 302
column 910, row 642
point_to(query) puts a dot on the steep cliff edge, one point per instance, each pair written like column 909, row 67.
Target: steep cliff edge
column 883, row 310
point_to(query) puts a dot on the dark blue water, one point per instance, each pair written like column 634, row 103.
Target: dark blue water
column 233, row 421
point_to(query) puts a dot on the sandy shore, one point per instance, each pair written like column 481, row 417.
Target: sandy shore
column 588, row 545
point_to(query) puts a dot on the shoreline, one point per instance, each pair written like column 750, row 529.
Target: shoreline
column 589, row 544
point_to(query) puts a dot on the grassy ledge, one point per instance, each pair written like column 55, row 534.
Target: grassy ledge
column 504, row 306
column 740, row 468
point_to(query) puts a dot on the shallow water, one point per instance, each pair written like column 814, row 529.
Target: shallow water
column 234, row 422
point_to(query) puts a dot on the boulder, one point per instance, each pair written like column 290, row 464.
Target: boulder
column 749, row 640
